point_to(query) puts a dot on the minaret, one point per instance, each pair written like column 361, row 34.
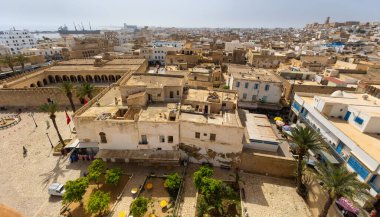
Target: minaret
column 327, row 20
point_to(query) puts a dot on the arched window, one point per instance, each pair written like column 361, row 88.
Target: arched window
column 103, row 138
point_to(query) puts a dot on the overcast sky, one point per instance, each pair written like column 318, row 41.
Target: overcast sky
column 50, row 14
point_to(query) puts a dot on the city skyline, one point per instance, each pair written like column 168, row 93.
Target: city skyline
column 44, row 15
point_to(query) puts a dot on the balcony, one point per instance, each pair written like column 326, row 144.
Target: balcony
column 331, row 147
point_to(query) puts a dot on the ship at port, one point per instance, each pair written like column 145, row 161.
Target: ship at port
column 65, row 31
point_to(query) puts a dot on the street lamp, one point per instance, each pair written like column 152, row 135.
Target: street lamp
column 47, row 134
column 32, row 115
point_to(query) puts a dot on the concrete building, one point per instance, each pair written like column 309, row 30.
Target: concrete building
column 17, row 40
column 205, row 76
column 350, row 124
column 257, row 88
column 148, row 119
column 156, row 52
column 264, row 58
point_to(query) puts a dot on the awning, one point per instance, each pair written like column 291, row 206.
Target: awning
column 139, row 155
column 77, row 144
column 329, row 157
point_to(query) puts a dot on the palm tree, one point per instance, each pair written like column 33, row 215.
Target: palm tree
column 68, row 88
column 52, row 108
column 9, row 61
column 86, row 89
column 306, row 139
column 21, row 59
column 339, row 182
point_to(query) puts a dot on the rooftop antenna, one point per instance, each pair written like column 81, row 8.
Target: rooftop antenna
column 75, row 27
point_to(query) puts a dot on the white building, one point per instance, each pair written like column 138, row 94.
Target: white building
column 350, row 124
column 236, row 44
column 158, row 50
column 255, row 87
column 17, row 40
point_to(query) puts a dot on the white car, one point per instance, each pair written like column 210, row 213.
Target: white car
column 56, row 189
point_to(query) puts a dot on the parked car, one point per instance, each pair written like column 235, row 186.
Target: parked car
column 56, row 189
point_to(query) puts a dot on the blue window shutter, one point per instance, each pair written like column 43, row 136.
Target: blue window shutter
column 359, row 120
column 347, row 116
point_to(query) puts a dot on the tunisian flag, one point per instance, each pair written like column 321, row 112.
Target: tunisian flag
column 68, row 119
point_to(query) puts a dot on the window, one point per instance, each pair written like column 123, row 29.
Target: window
column 246, row 84
column 144, row 140
column 358, row 167
column 177, row 92
column 254, row 97
column 238, row 84
column 162, row 139
column 212, row 137
column 244, row 96
column 264, row 99
column 103, row 138
column 359, row 120
column 170, row 139
column 197, row 135
column 267, row 87
column 256, row 86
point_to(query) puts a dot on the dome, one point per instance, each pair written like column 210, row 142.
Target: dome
column 337, row 93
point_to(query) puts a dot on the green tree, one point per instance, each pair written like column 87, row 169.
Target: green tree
column 139, row 206
column 204, row 171
column 21, row 59
column 98, row 203
column 68, row 87
column 95, row 171
column 86, row 89
column 113, row 176
column 306, row 139
column 74, row 190
column 9, row 61
column 173, row 183
column 339, row 182
column 52, row 108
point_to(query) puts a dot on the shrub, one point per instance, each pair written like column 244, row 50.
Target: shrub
column 173, row 183
column 95, row 170
column 113, row 176
column 74, row 190
column 98, row 202
column 204, row 171
column 139, row 206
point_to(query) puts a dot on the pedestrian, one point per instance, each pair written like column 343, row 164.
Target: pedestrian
column 24, row 151
column 373, row 213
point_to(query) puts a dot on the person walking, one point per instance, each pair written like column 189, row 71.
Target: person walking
column 25, row 151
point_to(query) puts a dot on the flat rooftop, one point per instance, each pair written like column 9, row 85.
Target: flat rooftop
column 112, row 62
column 154, row 80
column 93, row 68
column 158, row 112
column 259, row 128
column 227, row 119
column 202, row 95
column 245, row 72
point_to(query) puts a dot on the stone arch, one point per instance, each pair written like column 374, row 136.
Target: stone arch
column 73, row 78
column 89, row 78
column 45, row 81
column 51, row 79
column 111, row 78
column 32, row 85
column 104, row 78
column 118, row 77
column 80, row 79
column 39, row 84
column 58, row 79
column 97, row 79
column 65, row 78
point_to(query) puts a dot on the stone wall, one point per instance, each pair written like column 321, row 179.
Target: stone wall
column 35, row 97
column 268, row 164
